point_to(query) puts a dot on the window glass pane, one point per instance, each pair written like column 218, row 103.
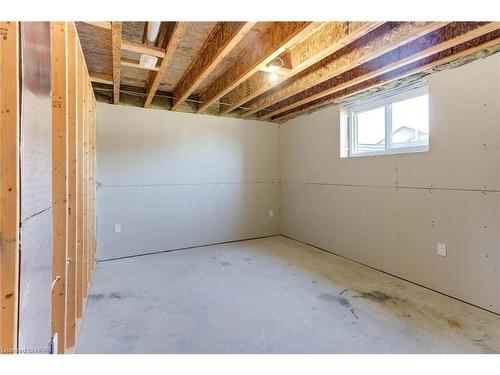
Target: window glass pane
column 371, row 130
column 410, row 122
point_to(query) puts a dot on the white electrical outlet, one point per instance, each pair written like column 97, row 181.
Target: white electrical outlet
column 441, row 249
column 118, row 228
column 271, row 213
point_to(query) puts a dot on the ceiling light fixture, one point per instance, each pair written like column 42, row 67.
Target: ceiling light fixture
column 273, row 77
column 275, row 65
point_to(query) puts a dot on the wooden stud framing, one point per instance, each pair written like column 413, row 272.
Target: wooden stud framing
column 116, row 37
column 452, row 35
column 71, row 256
column 224, row 37
column 72, row 183
column 272, row 43
column 80, row 157
column 59, row 179
column 155, row 78
column 330, row 37
column 9, row 185
column 429, row 62
column 384, row 39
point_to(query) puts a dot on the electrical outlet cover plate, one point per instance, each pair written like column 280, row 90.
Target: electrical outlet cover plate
column 271, row 213
column 118, row 228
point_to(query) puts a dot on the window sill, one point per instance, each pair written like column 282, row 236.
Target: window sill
column 395, row 151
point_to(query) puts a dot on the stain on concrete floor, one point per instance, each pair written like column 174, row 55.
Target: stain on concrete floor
column 293, row 299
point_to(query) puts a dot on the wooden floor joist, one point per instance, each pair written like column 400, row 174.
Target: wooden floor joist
column 272, row 42
column 465, row 49
column 451, row 35
column 116, row 37
column 9, row 185
column 155, row 78
column 330, row 37
column 224, row 37
column 385, row 38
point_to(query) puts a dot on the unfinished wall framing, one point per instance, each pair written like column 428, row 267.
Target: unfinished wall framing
column 71, row 143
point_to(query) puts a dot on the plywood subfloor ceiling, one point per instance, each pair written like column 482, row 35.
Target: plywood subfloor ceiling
column 223, row 68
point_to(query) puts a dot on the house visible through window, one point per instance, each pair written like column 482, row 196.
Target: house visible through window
column 397, row 123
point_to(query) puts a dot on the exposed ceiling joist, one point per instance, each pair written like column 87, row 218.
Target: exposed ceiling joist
column 155, row 78
column 101, row 78
column 128, row 45
column 388, row 37
column 451, row 54
column 224, row 37
column 102, row 24
column 116, row 37
column 271, row 43
column 452, row 35
column 323, row 42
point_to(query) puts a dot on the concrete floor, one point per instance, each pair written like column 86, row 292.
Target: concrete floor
column 271, row 295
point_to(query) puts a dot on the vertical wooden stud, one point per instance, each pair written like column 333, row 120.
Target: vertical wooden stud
column 59, row 179
column 72, row 186
column 9, row 185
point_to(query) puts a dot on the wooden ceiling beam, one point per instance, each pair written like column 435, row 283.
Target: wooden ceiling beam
column 224, row 37
column 129, row 45
column 329, row 38
column 155, row 78
column 101, row 78
column 136, row 64
column 271, row 43
column 440, row 40
column 451, row 54
column 102, row 24
column 116, row 37
column 385, row 38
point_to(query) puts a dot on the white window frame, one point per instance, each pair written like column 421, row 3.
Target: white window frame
column 385, row 100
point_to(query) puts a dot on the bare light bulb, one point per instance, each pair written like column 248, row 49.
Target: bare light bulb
column 273, row 77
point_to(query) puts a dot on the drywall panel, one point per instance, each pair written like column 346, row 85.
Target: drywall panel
column 397, row 230
column 293, row 210
column 174, row 180
column 138, row 146
column 389, row 212
column 157, row 218
column 36, row 193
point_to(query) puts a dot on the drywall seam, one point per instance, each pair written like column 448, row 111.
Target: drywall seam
column 394, row 187
column 190, row 184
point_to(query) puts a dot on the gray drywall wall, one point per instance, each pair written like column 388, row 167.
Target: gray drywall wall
column 390, row 211
column 174, row 180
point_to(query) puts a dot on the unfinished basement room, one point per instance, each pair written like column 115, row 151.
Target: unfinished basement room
column 250, row 187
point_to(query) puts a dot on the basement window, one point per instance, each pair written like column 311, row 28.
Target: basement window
column 392, row 123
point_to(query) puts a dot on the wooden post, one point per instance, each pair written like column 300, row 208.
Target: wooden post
column 9, row 185
column 59, row 179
